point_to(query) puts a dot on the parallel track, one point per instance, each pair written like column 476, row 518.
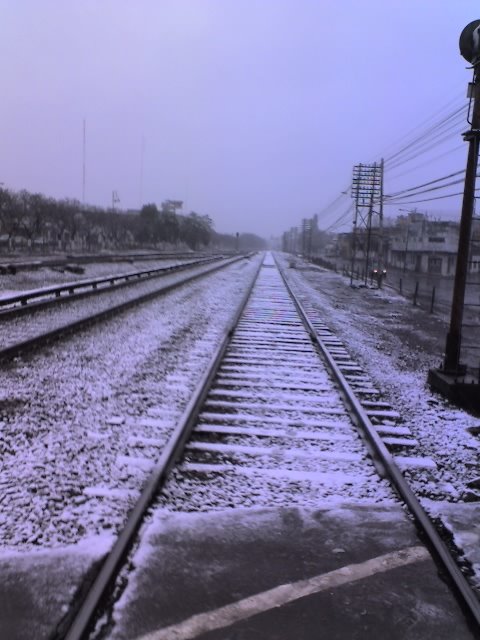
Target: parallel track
column 16, row 264
column 266, row 383
column 40, row 338
column 35, row 299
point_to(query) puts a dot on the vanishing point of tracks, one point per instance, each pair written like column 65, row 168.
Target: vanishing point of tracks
column 281, row 402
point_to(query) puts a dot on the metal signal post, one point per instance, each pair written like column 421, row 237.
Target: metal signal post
column 452, row 379
column 454, row 336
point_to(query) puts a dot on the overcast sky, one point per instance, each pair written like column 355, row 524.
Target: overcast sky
column 251, row 111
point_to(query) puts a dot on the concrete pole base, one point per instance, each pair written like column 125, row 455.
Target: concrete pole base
column 460, row 389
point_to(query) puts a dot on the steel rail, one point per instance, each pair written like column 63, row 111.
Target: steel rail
column 55, row 334
column 20, row 264
column 103, row 584
column 433, row 541
column 79, row 286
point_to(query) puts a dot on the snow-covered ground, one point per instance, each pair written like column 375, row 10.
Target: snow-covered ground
column 77, row 418
column 48, row 276
column 273, row 429
column 14, row 329
column 80, row 421
column 397, row 344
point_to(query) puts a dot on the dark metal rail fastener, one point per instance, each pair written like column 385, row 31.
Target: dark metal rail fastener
column 103, row 584
column 463, row 591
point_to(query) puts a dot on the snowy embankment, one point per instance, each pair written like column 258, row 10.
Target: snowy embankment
column 80, row 420
column 397, row 343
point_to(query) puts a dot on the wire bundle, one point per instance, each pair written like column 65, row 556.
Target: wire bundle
column 432, row 135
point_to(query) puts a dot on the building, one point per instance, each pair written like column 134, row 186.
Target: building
column 419, row 244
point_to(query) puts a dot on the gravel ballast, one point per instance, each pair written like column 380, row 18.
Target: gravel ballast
column 80, row 421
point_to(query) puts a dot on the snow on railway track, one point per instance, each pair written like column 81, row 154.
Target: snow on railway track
column 274, row 428
column 273, row 423
column 76, row 418
column 387, row 422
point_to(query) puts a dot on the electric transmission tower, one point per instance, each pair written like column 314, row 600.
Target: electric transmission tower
column 367, row 240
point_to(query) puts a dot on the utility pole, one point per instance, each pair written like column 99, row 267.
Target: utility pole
column 355, row 194
column 381, row 253
column 446, row 379
column 369, row 236
column 307, row 238
column 472, row 136
column 406, row 249
column 367, row 188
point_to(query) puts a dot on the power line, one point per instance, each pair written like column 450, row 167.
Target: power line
column 394, row 200
column 334, row 202
column 451, row 195
column 435, row 114
column 431, row 161
column 438, row 132
column 434, row 129
column 407, row 194
column 340, row 219
column 426, row 184
column 329, row 208
column 427, row 145
column 422, row 152
column 417, row 193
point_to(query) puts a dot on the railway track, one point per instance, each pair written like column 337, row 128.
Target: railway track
column 281, row 411
column 16, row 264
column 20, row 335
column 35, row 299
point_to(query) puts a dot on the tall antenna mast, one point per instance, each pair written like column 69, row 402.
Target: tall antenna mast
column 141, row 171
column 84, row 148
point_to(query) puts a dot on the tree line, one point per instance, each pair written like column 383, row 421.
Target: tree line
column 37, row 223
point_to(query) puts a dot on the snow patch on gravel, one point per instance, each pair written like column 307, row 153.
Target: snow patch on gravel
column 68, row 413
